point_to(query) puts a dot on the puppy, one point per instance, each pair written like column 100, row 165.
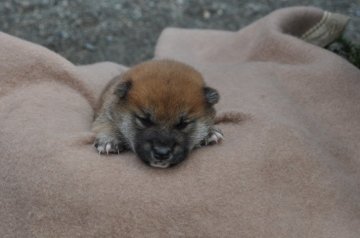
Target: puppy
column 160, row 109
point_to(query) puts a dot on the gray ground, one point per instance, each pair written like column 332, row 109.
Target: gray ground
column 125, row 31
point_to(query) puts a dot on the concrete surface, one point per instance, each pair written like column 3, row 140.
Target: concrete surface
column 125, row 31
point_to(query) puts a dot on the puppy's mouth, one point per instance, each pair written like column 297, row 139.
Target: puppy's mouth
column 157, row 162
column 151, row 159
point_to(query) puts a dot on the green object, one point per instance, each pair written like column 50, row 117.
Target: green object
column 346, row 49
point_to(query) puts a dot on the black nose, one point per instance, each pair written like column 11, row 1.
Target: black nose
column 161, row 152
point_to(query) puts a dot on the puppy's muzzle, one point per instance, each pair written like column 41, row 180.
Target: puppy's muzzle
column 161, row 149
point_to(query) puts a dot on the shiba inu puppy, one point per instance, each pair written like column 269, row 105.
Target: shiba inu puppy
column 160, row 109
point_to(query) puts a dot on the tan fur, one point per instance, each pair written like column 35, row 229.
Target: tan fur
column 150, row 87
column 169, row 88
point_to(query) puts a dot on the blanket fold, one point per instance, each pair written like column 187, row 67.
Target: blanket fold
column 291, row 168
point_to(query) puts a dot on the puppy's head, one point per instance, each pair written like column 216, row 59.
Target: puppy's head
column 167, row 110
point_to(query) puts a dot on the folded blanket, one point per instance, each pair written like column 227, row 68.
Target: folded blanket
column 290, row 168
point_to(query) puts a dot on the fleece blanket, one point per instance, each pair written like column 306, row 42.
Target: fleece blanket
column 289, row 168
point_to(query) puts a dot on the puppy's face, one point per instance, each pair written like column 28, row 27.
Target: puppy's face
column 167, row 110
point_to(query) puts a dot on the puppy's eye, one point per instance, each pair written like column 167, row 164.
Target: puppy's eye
column 182, row 124
column 144, row 121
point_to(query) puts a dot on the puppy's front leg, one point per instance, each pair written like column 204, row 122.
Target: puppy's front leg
column 108, row 137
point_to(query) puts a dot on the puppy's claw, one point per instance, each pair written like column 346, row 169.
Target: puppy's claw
column 108, row 148
column 215, row 136
column 100, row 148
column 109, row 145
column 218, row 136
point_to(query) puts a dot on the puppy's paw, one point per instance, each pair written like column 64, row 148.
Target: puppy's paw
column 215, row 136
column 108, row 144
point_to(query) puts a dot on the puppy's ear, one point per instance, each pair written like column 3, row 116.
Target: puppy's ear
column 211, row 95
column 123, row 88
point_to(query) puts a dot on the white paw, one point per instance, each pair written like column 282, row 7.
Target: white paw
column 108, row 145
column 214, row 137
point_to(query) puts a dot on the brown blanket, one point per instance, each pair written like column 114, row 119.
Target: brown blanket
column 291, row 168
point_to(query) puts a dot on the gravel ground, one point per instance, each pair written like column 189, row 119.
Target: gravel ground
column 125, row 31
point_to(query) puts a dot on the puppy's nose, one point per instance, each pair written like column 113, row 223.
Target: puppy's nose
column 161, row 152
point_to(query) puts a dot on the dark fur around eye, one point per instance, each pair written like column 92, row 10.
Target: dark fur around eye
column 182, row 124
column 145, row 121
